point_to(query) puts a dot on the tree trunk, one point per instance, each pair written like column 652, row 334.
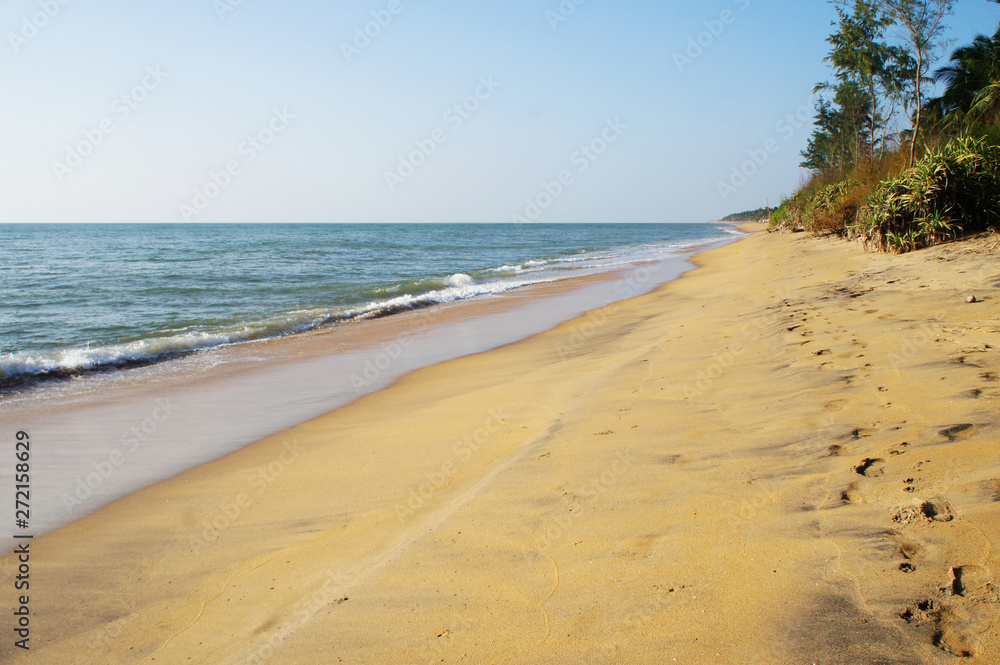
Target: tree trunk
column 871, row 127
column 920, row 108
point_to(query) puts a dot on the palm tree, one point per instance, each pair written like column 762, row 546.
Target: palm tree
column 972, row 81
column 986, row 107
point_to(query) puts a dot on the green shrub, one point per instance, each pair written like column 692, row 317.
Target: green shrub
column 832, row 208
column 947, row 193
column 827, row 209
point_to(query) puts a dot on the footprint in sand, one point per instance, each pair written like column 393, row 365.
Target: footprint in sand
column 963, row 361
column 970, row 609
column 850, row 494
column 946, row 626
column 899, row 449
column 972, row 582
column 993, row 488
column 959, row 432
column 852, row 380
column 906, row 514
column 871, row 467
column 935, row 510
column 909, row 550
column 863, row 432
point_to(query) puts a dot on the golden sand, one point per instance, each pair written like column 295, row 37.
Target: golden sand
column 790, row 455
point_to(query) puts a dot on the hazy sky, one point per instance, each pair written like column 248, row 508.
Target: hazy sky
column 257, row 110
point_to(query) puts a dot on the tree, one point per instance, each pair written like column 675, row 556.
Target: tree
column 824, row 152
column 972, row 79
column 922, row 24
column 867, row 72
column 842, row 129
column 860, row 57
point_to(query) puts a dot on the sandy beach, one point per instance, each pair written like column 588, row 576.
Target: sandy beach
column 787, row 456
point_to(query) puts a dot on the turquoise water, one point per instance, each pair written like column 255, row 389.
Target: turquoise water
column 79, row 298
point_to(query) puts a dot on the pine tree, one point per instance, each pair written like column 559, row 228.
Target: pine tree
column 868, row 73
column 923, row 26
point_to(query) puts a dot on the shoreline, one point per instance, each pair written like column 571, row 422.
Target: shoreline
column 30, row 373
column 35, row 386
column 125, row 431
column 787, row 454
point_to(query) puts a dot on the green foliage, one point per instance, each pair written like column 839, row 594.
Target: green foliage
column 860, row 186
column 923, row 24
column 833, row 208
column 991, row 134
column 842, row 130
column 869, row 72
column 789, row 214
column 947, row 193
column 828, row 209
column 758, row 215
column 972, row 87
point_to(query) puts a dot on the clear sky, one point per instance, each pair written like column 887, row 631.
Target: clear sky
column 267, row 111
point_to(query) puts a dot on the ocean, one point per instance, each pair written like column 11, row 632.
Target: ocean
column 75, row 299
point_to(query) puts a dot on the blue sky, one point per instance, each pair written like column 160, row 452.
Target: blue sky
column 254, row 111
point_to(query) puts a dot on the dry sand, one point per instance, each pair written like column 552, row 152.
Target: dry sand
column 789, row 456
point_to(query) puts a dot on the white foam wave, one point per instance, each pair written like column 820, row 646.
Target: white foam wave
column 90, row 358
column 439, row 297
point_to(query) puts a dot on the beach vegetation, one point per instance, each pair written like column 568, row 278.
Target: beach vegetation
column 758, row 215
column 970, row 103
column 890, row 167
column 922, row 24
column 854, row 120
column 948, row 193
